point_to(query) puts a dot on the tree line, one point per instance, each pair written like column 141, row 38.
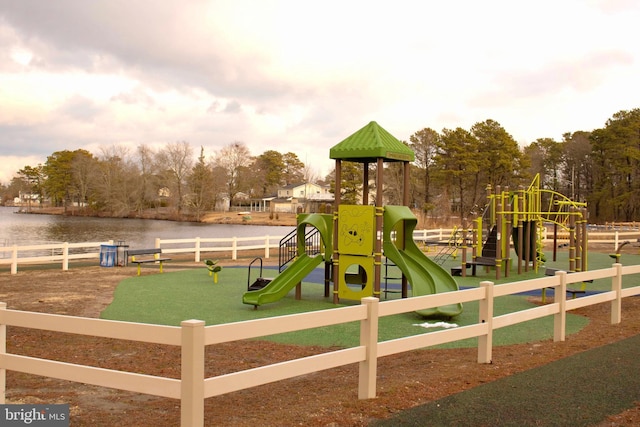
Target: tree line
column 449, row 176
column 120, row 183
column 600, row 167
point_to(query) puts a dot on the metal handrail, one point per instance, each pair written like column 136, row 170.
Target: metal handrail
column 289, row 246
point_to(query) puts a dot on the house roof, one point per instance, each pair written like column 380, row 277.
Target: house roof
column 300, row 184
column 371, row 143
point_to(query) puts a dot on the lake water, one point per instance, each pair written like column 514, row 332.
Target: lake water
column 34, row 229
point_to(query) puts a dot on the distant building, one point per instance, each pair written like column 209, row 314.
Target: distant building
column 303, row 197
column 25, row 198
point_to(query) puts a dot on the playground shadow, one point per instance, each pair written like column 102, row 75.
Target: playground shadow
column 580, row 390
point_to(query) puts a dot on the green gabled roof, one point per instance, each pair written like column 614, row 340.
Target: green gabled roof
column 371, row 143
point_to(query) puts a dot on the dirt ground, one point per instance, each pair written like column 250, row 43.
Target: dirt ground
column 326, row 398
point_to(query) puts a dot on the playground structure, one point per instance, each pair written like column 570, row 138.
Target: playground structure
column 354, row 239
column 521, row 216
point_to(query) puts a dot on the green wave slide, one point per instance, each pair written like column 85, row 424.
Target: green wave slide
column 425, row 276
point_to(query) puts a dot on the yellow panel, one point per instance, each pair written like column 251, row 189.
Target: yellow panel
column 355, row 275
column 356, row 229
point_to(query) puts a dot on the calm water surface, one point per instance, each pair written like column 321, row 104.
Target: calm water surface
column 32, row 229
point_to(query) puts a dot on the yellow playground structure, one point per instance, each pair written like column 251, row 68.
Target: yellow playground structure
column 523, row 217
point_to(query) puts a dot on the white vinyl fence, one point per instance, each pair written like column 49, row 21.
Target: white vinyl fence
column 192, row 336
column 199, row 245
column 65, row 252
column 49, row 253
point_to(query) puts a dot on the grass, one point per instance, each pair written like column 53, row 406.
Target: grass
column 172, row 297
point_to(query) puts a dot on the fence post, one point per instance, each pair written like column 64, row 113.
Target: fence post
column 192, row 378
column 485, row 342
column 234, row 248
column 266, row 246
column 560, row 298
column 3, row 350
column 65, row 256
column 14, row 260
column 197, row 259
column 616, row 286
column 369, row 340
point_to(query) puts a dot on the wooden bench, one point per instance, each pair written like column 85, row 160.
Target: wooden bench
column 156, row 252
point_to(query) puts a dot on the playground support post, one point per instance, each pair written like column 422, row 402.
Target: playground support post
column 405, row 201
column 336, row 255
column 365, row 184
column 506, row 252
column 463, row 271
column 377, row 261
column 578, row 240
column 572, row 239
column 585, row 239
column 520, row 214
column 555, row 241
column 498, row 216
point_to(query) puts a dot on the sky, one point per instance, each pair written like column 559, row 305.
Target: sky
column 300, row 76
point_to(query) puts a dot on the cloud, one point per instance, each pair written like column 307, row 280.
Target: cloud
column 575, row 75
column 298, row 76
column 163, row 43
column 80, row 108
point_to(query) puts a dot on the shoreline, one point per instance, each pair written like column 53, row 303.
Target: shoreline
column 236, row 218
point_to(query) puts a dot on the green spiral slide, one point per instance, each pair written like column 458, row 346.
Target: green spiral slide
column 425, row 276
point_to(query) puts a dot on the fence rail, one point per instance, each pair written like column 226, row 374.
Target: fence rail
column 193, row 336
column 55, row 252
column 198, row 245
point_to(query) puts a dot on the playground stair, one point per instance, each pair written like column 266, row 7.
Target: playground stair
column 444, row 254
column 450, row 249
column 488, row 258
column 289, row 246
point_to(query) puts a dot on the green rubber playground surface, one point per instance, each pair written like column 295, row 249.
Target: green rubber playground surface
column 172, row 297
column 580, row 390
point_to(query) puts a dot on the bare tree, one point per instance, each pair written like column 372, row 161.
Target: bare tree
column 234, row 159
column 84, row 171
column 175, row 162
column 117, row 181
column 147, row 190
column 310, row 174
